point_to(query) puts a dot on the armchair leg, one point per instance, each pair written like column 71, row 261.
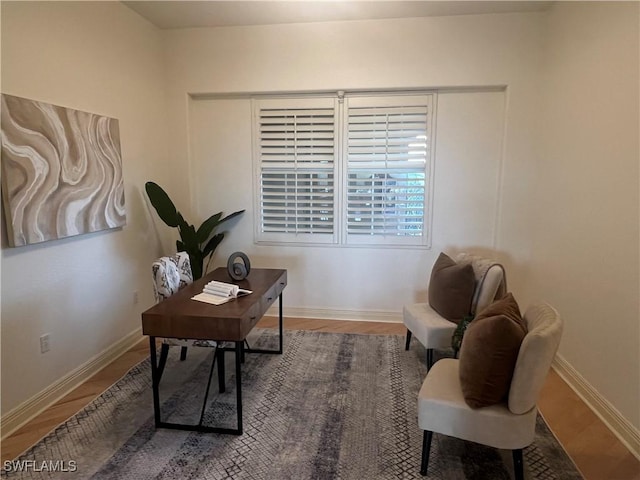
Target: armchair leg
column 518, row 466
column 426, row 448
column 183, row 353
column 406, row 345
column 429, row 358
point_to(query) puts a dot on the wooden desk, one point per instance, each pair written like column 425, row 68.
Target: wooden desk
column 181, row 317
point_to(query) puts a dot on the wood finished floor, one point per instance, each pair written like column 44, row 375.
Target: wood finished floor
column 596, row 451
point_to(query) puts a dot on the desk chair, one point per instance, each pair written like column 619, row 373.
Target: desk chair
column 508, row 425
column 435, row 331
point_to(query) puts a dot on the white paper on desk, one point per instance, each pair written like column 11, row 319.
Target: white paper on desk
column 221, row 289
column 212, row 299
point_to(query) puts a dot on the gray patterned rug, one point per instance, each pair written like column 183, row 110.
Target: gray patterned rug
column 333, row 406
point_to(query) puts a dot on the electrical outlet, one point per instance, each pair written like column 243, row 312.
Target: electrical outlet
column 45, row 343
column 135, row 297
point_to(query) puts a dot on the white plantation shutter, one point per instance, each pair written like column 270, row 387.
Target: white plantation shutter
column 296, row 153
column 367, row 157
column 388, row 157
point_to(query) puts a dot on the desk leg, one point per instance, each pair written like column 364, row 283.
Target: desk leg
column 206, row 394
column 221, row 368
column 239, row 354
column 155, row 380
column 280, row 320
column 280, row 349
column 164, row 352
column 155, row 384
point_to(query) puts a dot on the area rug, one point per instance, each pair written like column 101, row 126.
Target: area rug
column 333, row 406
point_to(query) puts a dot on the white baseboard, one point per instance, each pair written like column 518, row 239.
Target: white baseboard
column 620, row 426
column 27, row 410
column 333, row 314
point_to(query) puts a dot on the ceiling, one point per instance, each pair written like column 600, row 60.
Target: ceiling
column 184, row 14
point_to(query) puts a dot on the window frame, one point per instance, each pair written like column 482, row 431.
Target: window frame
column 341, row 102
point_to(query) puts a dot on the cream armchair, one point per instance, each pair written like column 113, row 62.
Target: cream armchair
column 508, row 425
column 432, row 330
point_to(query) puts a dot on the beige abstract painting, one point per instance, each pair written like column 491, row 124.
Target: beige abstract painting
column 61, row 171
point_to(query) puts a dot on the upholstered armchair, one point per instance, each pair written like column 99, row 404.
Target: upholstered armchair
column 434, row 331
column 170, row 274
column 509, row 424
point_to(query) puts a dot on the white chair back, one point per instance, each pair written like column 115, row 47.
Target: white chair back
column 538, row 348
column 491, row 282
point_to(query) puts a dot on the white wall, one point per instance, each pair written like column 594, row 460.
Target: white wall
column 489, row 50
column 468, row 143
column 101, row 58
column 586, row 207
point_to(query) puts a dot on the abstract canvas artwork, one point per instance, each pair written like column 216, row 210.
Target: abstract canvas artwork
column 61, row 171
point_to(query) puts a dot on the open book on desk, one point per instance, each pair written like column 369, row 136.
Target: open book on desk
column 218, row 293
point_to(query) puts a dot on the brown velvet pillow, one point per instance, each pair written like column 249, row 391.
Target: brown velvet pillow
column 451, row 288
column 489, row 352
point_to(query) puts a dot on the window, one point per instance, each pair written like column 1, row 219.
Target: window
column 350, row 171
column 386, row 155
column 296, row 156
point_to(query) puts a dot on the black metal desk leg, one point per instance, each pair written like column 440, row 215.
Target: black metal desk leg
column 239, row 351
column 206, row 394
column 280, row 320
column 155, row 380
column 221, row 374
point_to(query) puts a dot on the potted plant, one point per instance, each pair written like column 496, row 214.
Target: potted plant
column 199, row 244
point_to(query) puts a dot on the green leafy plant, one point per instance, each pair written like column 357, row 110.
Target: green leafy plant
column 199, row 244
column 458, row 334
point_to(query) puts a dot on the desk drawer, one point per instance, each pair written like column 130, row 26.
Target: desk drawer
column 271, row 295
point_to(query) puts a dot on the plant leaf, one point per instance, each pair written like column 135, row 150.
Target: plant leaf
column 207, row 227
column 212, row 244
column 233, row 215
column 162, row 203
column 189, row 238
